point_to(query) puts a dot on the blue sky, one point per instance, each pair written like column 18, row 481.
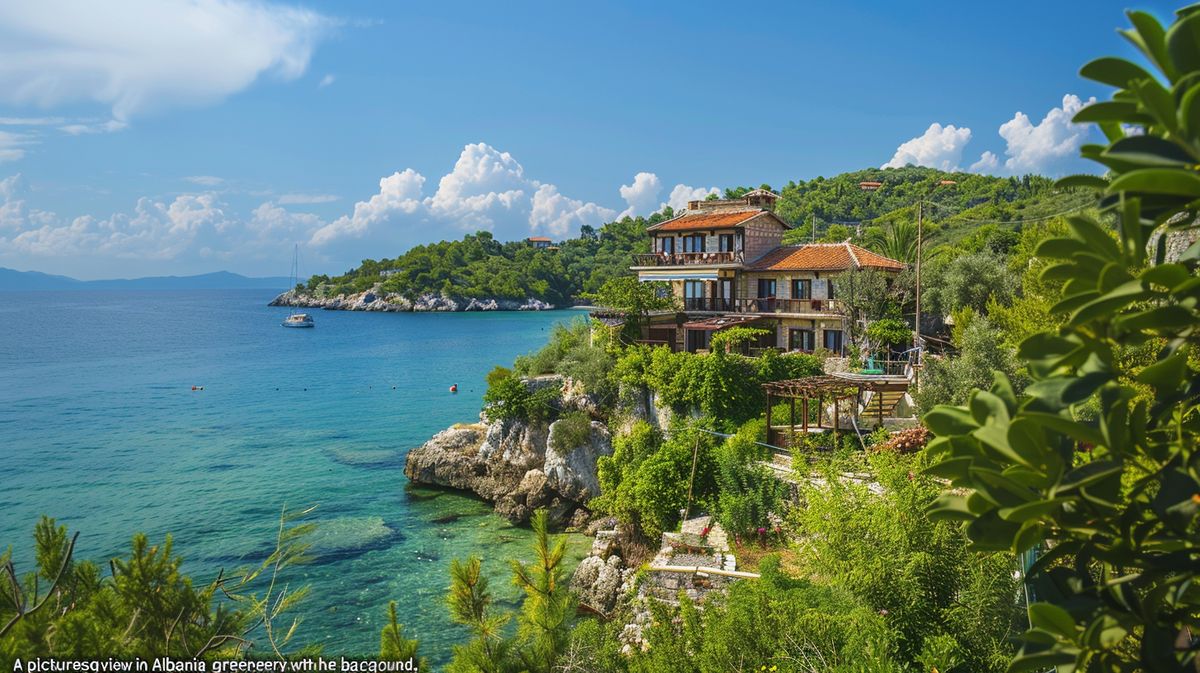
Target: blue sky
column 184, row 136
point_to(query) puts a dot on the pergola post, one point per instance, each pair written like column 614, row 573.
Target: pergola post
column 805, row 414
column 769, row 416
column 791, row 421
column 820, row 407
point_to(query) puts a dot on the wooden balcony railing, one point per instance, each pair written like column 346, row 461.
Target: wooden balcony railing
column 687, row 258
column 718, row 305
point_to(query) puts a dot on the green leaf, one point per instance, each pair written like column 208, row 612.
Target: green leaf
column 950, row 507
column 1149, row 37
column 1173, row 181
column 1071, row 428
column 1167, row 275
column 1110, row 302
column 1183, row 44
column 1090, row 473
column 946, row 420
column 1158, row 102
column 1114, row 71
column 1098, row 240
column 1166, row 375
column 1053, row 619
column 1082, row 181
column 1110, row 111
column 954, row 469
column 1031, row 510
column 1151, row 151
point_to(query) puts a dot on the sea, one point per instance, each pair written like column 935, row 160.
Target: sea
column 195, row 414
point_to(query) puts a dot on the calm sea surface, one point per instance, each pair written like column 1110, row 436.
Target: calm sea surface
column 99, row 428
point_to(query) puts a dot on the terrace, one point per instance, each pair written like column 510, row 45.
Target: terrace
column 660, row 259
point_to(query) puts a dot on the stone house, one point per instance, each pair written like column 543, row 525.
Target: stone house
column 725, row 262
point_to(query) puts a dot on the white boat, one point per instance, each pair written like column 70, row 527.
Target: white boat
column 297, row 319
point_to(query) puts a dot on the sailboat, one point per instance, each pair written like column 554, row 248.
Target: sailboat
column 295, row 319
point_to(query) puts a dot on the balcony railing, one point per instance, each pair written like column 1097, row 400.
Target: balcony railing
column 686, row 258
column 718, row 305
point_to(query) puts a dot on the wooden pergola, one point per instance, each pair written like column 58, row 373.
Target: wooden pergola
column 822, row 389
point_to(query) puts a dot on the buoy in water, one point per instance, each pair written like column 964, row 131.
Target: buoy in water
column 197, row 387
column 454, row 388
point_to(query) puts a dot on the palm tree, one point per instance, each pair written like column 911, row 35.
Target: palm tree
column 897, row 239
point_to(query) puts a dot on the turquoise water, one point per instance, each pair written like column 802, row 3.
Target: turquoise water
column 100, row 429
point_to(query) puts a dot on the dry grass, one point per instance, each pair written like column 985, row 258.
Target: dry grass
column 750, row 553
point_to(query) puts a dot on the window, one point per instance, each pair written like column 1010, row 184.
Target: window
column 668, row 244
column 766, row 288
column 725, row 242
column 831, row 286
column 693, row 243
column 833, row 340
column 693, row 295
column 698, row 339
column 801, row 340
column 802, row 288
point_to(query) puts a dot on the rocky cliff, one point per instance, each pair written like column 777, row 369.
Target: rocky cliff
column 519, row 466
column 377, row 300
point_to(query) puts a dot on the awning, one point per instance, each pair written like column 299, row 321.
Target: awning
column 678, row 274
column 713, row 324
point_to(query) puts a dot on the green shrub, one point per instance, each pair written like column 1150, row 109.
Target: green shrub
column 746, row 490
column 573, row 429
column 510, row 398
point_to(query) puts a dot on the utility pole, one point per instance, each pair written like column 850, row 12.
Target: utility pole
column 812, row 225
column 917, row 321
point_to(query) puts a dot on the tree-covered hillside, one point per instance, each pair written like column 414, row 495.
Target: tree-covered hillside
column 977, row 207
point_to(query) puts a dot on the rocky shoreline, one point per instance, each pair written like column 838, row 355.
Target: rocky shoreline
column 519, row 466
column 376, row 300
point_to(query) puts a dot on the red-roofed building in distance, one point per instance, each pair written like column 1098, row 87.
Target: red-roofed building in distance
column 539, row 242
column 725, row 262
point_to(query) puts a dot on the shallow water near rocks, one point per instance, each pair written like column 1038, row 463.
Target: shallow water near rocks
column 100, row 429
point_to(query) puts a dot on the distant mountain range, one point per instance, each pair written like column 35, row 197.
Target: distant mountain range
column 11, row 279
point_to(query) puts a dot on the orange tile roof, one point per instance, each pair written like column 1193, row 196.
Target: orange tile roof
column 822, row 257
column 687, row 222
column 540, row 238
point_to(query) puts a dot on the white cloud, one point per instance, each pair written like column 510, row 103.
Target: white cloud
column 939, row 147
column 555, row 214
column 1042, row 147
column 12, row 146
column 681, row 194
column 988, row 161
column 399, row 194
column 194, row 232
column 641, row 195
column 81, row 128
column 306, row 198
column 326, row 81
column 144, row 54
column 487, row 189
column 32, row 121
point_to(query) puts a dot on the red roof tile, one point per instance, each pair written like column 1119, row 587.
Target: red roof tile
column 822, row 257
column 687, row 222
column 540, row 238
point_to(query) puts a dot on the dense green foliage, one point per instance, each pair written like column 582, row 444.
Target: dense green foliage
column 543, row 622
column 747, row 492
column 478, row 266
column 879, row 547
column 723, row 386
column 981, row 351
column 644, row 483
column 146, row 608
column 1111, row 500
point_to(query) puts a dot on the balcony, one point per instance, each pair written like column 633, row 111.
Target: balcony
column 687, row 258
column 768, row 305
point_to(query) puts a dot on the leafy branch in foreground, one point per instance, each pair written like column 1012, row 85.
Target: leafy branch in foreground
column 1112, row 500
